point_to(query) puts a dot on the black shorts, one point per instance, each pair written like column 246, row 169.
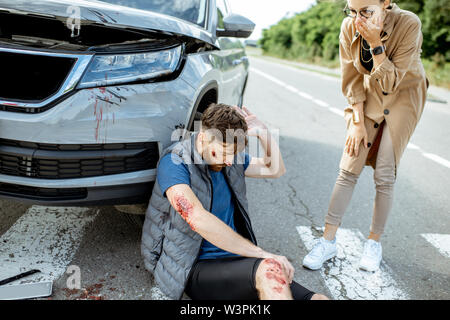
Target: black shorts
column 230, row 279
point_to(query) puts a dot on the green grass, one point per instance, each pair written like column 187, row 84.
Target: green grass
column 437, row 73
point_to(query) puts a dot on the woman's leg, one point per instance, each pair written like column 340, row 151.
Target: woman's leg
column 325, row 248
column 384, row 176
column 340, row 199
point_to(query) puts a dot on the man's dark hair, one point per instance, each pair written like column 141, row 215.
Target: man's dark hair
column 229, row 122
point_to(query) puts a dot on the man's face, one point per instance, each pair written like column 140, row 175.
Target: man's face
column 216, row 153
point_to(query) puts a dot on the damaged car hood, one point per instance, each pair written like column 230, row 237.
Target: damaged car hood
column 109, row 15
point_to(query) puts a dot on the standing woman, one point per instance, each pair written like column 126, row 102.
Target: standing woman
column 384, row 82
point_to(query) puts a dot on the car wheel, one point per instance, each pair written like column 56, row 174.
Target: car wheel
column 197, row 117
column 208, row 96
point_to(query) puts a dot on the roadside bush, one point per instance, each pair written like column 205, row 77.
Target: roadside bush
column 315, row 32
column 313, row 35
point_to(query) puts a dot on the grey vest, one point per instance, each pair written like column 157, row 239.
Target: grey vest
column 169, row 246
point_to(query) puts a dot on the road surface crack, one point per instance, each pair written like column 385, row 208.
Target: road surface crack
column 297, row 202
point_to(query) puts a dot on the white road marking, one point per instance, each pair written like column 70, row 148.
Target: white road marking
column 343, row 276
column 440, row 241
column 269, row 77
column 44, row 238
column 337, row 111
column 431, row 156
column 305, row 95
column 302, row 71
column 437, row 159
column 291, row 88
column 341, row 113
column 321, row 103
column 412, row 146
column 285, row 85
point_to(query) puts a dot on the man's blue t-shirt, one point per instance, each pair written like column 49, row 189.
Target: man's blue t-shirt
column 170, row 173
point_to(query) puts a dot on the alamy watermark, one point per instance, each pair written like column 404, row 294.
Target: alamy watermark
column 74, row 279
column 241, row 140
column 73, row 22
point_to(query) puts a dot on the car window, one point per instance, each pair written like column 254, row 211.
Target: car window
column 193, row 11
column 227, row 5
column 221, row 13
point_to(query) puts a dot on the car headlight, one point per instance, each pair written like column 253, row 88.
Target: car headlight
column 121, row 68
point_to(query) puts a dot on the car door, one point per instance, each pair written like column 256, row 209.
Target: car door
column 232, row 56
column 240, row 63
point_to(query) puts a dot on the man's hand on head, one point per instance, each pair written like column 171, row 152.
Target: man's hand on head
column 271, row 165
column 255, row 125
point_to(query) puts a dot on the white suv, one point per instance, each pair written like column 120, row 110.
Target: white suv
column 91, row 91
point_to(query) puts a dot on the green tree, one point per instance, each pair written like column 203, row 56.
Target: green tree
column 277, row 39
column 436, row 28
column 315, row 32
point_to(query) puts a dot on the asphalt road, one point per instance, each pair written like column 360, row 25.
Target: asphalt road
column 287, row 213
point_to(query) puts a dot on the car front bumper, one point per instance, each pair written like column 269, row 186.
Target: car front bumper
column 124, row 114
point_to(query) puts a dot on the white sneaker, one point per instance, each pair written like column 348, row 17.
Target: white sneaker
column 371, row 257
column 322, row 251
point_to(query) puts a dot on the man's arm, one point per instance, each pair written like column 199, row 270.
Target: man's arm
column 272, row 164
column 211, row 228
column 214, row 230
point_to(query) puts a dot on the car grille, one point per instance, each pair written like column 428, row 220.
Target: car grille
column 31, row 77
column 37, row 80
column 37, row 193
column 58, row 161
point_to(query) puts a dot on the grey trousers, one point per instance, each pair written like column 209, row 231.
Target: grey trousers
column 384, row 177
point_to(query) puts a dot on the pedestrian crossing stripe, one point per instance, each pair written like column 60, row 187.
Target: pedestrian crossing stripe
column 342, row 275
column 44, row 238
column 440, row 242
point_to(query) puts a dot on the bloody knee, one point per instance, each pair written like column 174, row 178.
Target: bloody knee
column 271, row 276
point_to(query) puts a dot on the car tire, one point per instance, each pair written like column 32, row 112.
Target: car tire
column 207, row 96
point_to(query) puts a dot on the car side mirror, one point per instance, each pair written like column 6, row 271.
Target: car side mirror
column 236, row 26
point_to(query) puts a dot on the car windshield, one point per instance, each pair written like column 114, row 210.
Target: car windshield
column 190, row 10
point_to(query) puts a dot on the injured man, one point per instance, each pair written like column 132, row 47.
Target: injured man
column 197, row 236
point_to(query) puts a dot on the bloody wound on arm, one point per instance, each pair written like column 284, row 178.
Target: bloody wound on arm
column 185, row 209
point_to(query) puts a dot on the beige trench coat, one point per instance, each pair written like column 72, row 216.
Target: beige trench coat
column 395, row 91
